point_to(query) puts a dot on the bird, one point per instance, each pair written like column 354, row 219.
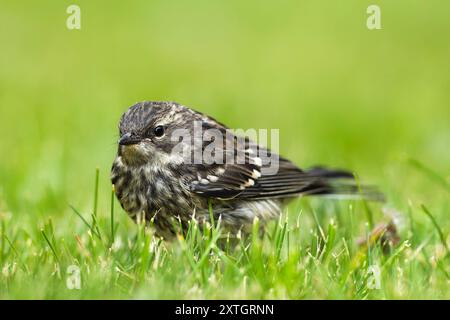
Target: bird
column 167, row 173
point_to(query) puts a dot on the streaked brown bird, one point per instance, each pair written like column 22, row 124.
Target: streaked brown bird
column 158, row 177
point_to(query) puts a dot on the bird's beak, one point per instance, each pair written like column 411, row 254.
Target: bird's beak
column 128, row 139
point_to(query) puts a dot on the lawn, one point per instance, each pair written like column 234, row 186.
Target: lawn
column 374, row 101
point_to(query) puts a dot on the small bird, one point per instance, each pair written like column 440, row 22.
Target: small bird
column 157, row 176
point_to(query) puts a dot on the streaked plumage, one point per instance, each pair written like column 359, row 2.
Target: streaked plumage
column 151, row 180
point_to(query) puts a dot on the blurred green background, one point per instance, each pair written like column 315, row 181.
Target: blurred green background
column 340, row 94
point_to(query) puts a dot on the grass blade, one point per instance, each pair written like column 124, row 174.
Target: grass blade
column 84, row 221
column 50, row 245
column 436, row 225
column 113, row 191
column 94, row 211
column 430, row 173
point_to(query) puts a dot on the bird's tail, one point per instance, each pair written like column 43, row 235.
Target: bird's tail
column 339, row 184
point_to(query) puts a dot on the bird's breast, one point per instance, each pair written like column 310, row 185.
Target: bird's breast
column 148, row 189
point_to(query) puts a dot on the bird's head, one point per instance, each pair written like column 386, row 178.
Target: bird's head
column 145, row 131
column 150, row 131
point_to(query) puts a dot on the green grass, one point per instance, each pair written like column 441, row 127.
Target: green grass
column 299, row 256
column 376, row 102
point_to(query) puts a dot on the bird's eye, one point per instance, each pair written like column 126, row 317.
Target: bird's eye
column 159, row 131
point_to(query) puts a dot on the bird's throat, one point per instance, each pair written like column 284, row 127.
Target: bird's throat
column 132, row 155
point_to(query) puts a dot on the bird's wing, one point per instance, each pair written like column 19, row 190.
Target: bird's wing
column 291, row 181
column 248, row 180
column 242, row 175
column 227, row 180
